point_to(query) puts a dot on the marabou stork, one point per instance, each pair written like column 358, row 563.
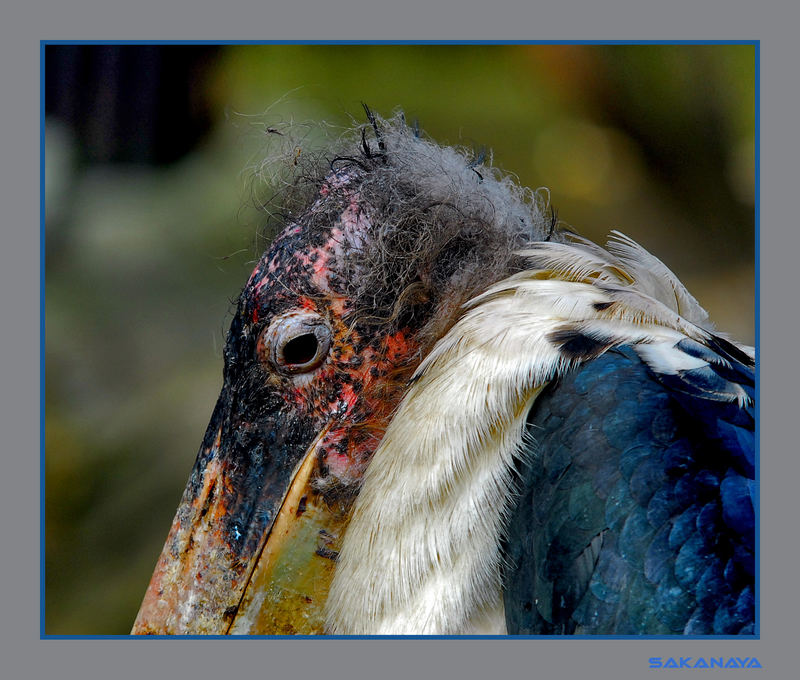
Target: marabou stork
column 442, row 414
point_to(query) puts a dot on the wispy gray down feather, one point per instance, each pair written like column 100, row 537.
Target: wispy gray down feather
column 444, row 224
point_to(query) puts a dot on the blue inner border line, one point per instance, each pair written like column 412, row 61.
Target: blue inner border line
column 401, row 42
column 757, row 325
column 41, row 342
column 42, row 332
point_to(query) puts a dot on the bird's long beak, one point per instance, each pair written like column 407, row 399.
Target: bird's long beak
column 217, row 575
column 288, row 586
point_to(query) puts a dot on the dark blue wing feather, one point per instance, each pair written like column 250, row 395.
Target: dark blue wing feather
column 636, row 513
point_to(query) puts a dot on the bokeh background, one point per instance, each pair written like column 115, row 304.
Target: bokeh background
column 152, row 227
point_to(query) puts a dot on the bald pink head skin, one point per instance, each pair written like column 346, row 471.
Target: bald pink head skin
column 325, row 399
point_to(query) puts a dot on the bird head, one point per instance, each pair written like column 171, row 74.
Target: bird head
column 382, row 241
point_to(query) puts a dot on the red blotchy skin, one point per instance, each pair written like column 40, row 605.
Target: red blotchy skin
column 360, row 383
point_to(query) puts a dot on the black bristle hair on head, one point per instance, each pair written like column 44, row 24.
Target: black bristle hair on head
column 364, row 144
column 374, row 122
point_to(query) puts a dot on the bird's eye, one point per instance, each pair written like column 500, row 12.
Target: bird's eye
column 300, row 350
column 295, row 342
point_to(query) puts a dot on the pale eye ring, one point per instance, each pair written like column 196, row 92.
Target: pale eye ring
column 295, row 342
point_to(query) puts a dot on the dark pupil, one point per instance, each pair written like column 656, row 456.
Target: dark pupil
column 300, row 350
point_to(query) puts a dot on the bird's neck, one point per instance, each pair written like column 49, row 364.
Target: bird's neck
column 422, row 553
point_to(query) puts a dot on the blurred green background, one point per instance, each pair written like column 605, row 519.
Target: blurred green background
column 151, row 161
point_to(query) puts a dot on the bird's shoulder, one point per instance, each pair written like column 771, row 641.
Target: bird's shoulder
column 636, row 508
